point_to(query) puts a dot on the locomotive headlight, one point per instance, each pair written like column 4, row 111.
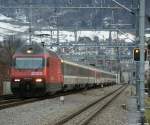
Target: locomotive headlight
column 29, row 51
column 17, row 80
column 38, row 80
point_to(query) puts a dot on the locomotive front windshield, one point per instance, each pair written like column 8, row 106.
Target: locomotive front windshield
column 29, row 63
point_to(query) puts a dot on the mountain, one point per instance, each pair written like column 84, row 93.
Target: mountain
column 75, row 18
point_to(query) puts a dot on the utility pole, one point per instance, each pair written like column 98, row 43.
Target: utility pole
column 141, row 36
column 137, row 71
column 119, row 65
column 141, row 46
column 76, row 32
column 118, row 62
column 75, row 35
column 57, row 23
column 30, row 24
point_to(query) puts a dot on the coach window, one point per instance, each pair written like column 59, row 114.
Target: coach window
column 68, row 69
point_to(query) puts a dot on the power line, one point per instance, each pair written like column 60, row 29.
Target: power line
column 59, row 7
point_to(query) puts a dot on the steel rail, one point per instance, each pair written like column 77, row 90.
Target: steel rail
column 90, row 117
column 16, row 103
column 74, row 114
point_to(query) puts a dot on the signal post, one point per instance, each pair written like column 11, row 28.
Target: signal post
column 141, row 46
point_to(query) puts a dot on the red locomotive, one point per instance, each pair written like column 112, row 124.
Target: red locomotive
column 36, row 71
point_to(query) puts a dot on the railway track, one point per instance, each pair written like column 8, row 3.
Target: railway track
column 15, row 102
column 7, row 101
column 12, row 101
column 5, row 97
column 85, row 114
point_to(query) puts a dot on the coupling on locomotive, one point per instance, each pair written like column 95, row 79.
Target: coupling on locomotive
column 36, row 70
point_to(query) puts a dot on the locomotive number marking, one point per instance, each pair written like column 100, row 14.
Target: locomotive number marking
column 36, row 73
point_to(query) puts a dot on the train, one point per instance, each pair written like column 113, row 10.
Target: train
column 36, row 71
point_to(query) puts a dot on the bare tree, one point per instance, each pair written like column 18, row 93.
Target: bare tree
column 8, row 48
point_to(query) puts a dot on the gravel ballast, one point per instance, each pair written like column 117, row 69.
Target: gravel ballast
column 116, row 113
column 48, row 111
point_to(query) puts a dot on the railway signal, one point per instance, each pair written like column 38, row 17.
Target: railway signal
column 148, row 46
column 136, row 54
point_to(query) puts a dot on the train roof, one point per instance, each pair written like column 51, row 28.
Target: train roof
column 35, row 48
column 87, row 67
